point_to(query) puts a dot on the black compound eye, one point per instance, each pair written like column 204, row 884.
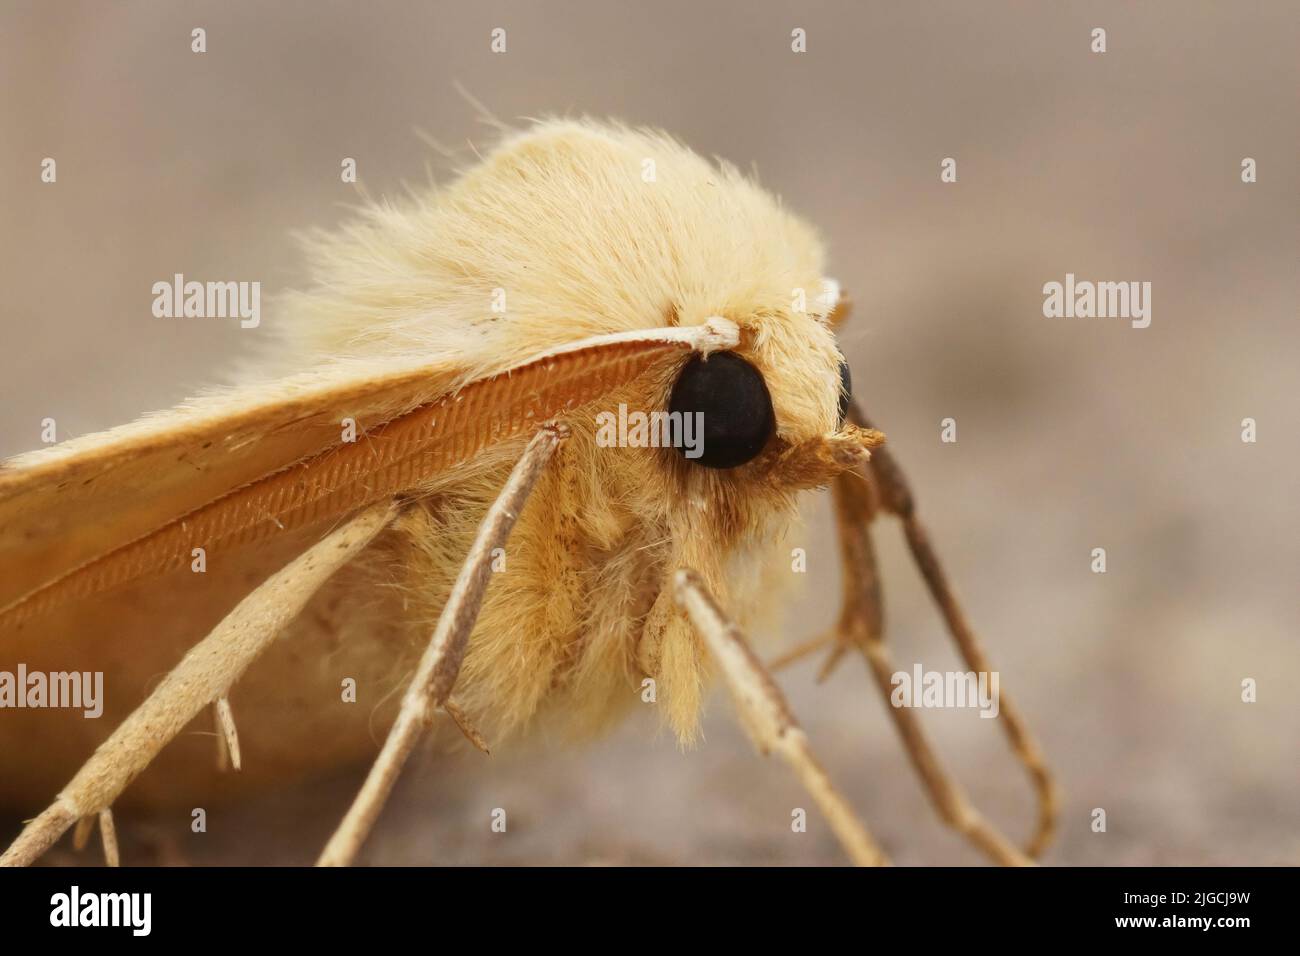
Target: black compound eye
column 846, row 393
column 736, row 409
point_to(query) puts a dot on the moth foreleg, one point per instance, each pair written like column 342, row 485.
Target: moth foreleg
column 861, row 626
column 767, row 717
column 204, row 674
column 856, row 503
column 436, row 673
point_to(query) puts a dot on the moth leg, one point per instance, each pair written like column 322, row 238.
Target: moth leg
column 800, row 651
column 462, row 722
column 108, row 832
column 860, row 626
column 227, row 735
column 204, row 675
column 857, row 503
column 436, row 673
column 81, row 836
column 767, row 717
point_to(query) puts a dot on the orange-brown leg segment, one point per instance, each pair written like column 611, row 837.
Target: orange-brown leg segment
column 857, row 502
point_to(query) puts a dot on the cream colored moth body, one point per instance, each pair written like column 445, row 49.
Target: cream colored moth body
column 623, row 567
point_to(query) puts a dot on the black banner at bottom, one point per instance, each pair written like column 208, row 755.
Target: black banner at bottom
column 216, row 906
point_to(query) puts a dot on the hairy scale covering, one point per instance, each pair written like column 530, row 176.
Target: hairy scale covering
column 561, row 218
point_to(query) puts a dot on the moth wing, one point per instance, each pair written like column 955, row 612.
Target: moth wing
column 63, row 506
column 68, row 506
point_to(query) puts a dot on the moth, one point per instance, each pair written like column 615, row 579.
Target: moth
column 411, row 498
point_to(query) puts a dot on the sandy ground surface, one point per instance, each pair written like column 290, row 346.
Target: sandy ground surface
column 1071, row 434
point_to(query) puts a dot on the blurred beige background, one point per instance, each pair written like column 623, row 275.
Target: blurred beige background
column 1073, row 434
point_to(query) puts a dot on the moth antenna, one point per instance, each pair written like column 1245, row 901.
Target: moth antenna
column 439, row 666
column 400, row 455
column 203, row 675
column 767, row 716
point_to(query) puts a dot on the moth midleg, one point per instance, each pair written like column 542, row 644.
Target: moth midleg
column 767, row 716
column 861, row 626
column 204, row 675
column 439, row 666
column 895, row 496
